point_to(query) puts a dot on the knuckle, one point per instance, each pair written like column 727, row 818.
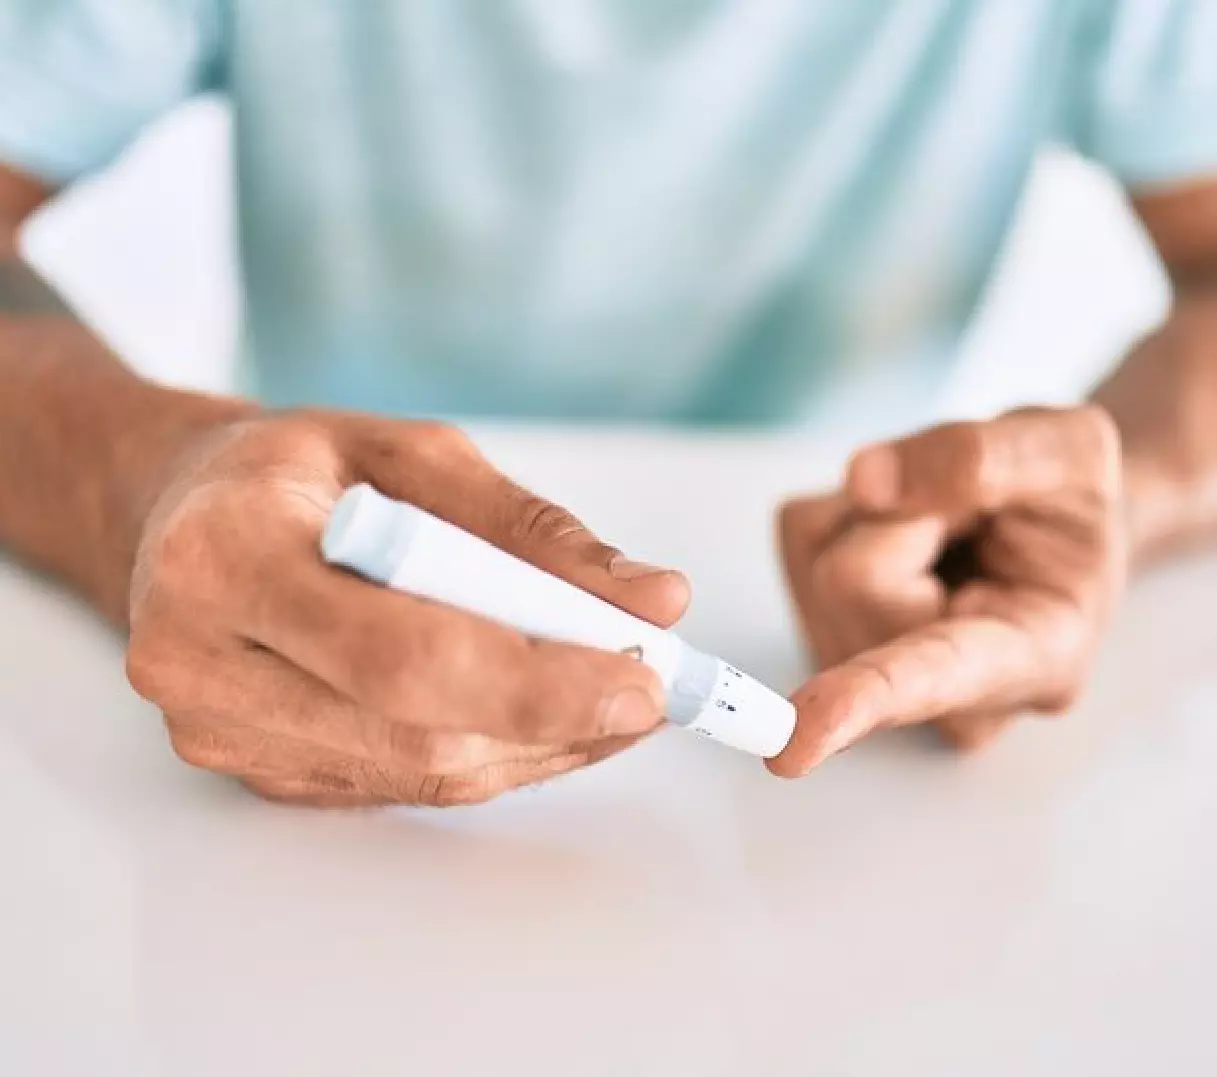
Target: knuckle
column 868, row 683
column 292, row 436
column 299, row 448
column 153, row 669
column 262, row 435
column 418, row 447
column 434, row 445
column 443, row 438
column 1103, row 451
column 947, row 464
column 963, row 458
column 540, row 522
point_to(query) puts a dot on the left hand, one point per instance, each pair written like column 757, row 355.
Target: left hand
column 960, row 576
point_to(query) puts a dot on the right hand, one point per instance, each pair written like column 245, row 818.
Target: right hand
column 314, row 686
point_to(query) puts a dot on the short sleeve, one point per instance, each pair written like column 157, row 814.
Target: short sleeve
column 79, row 79
column 1147, row 105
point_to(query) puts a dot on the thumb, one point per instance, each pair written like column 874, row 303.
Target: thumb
column 1032, row 456
column 439, row 469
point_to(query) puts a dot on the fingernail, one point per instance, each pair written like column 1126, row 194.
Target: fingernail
column 631, row 710
column 874, row 477
column 622, row 568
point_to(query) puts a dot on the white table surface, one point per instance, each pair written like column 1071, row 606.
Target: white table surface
column 1045, row 908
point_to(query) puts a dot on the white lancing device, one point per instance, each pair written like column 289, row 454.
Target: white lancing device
column 402, row 546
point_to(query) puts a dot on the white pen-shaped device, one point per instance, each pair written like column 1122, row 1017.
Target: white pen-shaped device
column 402, row 546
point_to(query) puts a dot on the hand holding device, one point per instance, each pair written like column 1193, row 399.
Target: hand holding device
column 312, row 685
column 401, row 545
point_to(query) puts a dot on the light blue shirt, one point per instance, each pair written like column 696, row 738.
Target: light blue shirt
column 653, row 209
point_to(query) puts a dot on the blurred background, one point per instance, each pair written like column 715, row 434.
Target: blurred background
column 147, row 254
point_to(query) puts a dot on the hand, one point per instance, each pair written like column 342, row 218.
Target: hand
column 960, row 576
column 314, row 686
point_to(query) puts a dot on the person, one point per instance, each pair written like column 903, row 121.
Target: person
column 712, row 211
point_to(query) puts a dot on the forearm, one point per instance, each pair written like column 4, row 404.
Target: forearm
column 1163, row 398
column 85, row 444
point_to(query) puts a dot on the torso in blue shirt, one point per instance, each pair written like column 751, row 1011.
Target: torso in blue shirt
column 695, row 210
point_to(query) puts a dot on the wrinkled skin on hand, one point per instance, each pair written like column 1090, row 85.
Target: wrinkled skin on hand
column 960, row 576
column 314, row 686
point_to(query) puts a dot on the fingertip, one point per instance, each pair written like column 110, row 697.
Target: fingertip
column 670, row 603
column 782, row 766
column 827, row 713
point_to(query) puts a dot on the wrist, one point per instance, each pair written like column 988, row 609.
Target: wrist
column 1163, row 398
column 1149, row 493
column 1166, row 513
column 1149, row 511
column 86, row 446
column 165, row 427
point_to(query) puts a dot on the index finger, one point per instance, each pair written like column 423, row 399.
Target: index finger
column 438, row 468
column 1036, row 456
column 952, row 666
